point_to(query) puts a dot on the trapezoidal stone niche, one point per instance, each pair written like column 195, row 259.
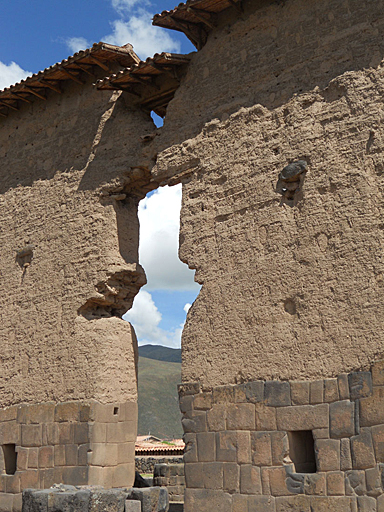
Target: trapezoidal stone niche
column 69, row 253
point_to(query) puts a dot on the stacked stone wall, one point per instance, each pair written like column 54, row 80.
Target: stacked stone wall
column 171, row 476
column 239, row 455
column 78, row 443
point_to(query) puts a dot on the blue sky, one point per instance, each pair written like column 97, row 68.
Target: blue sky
column 35, row 35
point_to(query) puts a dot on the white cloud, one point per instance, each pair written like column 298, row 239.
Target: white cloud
column 145, row 38
column 75, row 44
column 123, row 6
column 159, row 217
column 187, row 307
column 145, row 318
column 11, row 74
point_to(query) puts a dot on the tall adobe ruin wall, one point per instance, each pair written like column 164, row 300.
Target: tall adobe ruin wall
column 280, row 408
column 69, row 253
column 278, row 346
column 289, row 290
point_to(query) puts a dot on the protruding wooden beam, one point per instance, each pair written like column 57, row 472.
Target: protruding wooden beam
column 3, row 102
column 48, row 84
column 83, row 68
column 141, row 80
column 164, row 68
column 33, row 91
column 3, row 115
column 99, row 63
column 72, row 76
column 184, row 28
column 19, row 97
column 196, row 13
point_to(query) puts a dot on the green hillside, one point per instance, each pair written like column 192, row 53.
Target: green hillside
column 159, row 411
column 172, row 355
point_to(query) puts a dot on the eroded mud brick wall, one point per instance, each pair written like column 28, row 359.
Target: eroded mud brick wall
column 69, row 269
column 291, row 289
column 292, row 286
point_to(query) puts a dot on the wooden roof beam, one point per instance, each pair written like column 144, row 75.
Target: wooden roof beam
column 72, row 76
column 196, row 13
column 122, row 88
column 33, row 91
column 141, row 80
column 187, row 31
column 3, row 101
column 3, row 115
column 47, row 83
column 99, row 63
column 83, row 68
column 164, row 68
column 19, row 97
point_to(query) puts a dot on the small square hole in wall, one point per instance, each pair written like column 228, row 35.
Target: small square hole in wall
column 302, row 451
column 10, row 458
column 115, row 411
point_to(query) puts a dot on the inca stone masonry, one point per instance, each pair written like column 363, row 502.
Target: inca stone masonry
column 283, row 385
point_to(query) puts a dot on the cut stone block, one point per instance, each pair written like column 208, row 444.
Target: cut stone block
column 231, row 477
column 335, row 483
column 342, row 419
column 315, row 484
column 153, row 499
column 360, row 384
column 342, row 381
column 378, row 373
column 366, row 504
column 265, row 417
column 277, row 394
column 378, row 442
column 207, row 500
column 254, row 391
column 327, row 454
column 345, row 455
column 299, row 392
column 331, row 390
column 132, row 506
column 261, row 504
column 372, row 408
column 250, row 479
column 293, row 504
column 355, row 483
column 206, row 446
column 316, row 392
column 241, row 417
column 213, row 475
column 363, row 456
column 261, row 448
column 303, row 417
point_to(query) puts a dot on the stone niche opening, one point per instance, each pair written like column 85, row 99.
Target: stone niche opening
column 10, row 458
column 302, row 451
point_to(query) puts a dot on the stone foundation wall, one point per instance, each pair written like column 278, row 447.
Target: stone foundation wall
column 171, row 476
column 76, row 443
column 147, row 464
column 243, row 441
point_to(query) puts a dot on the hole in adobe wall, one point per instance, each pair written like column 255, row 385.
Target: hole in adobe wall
column 302, row 451
column 115, row 411
column 10, row 458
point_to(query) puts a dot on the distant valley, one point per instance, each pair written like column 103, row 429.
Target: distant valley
column 159, row 375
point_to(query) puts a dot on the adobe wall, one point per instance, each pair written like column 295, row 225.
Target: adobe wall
column 279, row 343
column 290, row 289
column 69, row 253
